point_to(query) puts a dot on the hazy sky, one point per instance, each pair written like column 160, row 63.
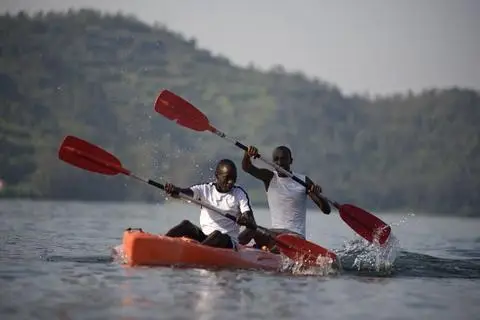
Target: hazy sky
column 376, row 46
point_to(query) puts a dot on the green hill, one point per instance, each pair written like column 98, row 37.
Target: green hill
column 96, row 76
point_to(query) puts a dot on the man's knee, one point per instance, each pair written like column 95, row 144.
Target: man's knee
column 185, row 223
column 218, row 239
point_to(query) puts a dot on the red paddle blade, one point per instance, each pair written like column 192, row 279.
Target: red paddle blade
column 365, row 224
column 85, row 155
column 297, row 248
column 181, row 111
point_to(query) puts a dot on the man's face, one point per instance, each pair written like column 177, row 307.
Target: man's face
column 226, row 177
column 282, row 158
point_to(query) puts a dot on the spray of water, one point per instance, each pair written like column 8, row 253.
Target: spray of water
column 364, row 256
column 373, row 257
column 324, row 266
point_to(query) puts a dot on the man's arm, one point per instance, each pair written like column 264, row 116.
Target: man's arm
column 246, row 218
column 247, row 234
column 174, row 191
column 313, row 191
column 260, row 173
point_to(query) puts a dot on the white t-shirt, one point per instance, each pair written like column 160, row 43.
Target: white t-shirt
column 287, row 201
column 235, row 200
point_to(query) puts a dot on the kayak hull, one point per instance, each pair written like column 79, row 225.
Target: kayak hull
column 141, row 248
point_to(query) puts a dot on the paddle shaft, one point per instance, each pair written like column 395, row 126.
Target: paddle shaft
column 277, row 167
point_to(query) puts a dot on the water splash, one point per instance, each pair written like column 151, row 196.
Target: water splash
column 363, row 256
column 118, row 255
column 324, row 266
column 403, row 220
column 378, row 258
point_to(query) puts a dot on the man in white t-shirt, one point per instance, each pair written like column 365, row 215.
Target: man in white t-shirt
column 216, row 230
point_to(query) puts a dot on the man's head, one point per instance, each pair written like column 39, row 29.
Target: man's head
column 225, row 175
column 282, row 156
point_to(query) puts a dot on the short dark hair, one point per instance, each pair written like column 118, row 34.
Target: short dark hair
column 226, row 162
column 284, row 149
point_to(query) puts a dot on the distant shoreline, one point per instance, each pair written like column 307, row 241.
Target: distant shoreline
column 256, row 205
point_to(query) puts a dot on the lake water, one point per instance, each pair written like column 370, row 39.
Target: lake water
column 55, row 263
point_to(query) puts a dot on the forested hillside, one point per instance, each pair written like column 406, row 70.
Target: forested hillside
column 97, row 76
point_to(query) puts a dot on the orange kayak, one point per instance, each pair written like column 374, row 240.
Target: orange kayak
column 141, row 248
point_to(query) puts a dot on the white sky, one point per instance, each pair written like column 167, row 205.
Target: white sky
column 361, row 46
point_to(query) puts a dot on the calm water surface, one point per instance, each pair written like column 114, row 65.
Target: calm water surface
column 55, row 264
